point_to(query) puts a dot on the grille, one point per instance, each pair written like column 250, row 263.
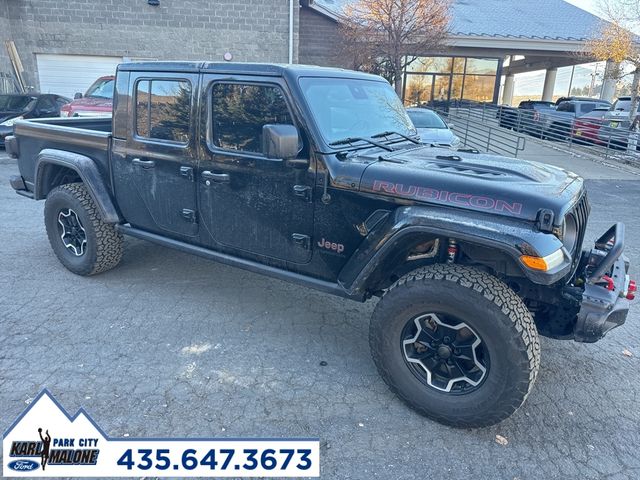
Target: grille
column 581, row 214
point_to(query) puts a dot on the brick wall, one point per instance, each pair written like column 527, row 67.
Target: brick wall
column 252, row 30
column 318, row 39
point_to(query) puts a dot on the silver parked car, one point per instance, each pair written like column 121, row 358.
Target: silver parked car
column 432, row 128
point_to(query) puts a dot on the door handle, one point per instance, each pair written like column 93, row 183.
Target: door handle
column 215, row 177
column 303, row 191
column 143, row 163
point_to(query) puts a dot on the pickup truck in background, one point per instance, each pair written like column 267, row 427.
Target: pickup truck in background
column 523, row 118
column 316, row 176
column 96, row 102
column 586, row 128
column 558, row 124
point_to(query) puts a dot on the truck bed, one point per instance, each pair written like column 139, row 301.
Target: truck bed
column 85, row 136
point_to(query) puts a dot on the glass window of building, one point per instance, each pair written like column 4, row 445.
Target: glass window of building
column 482, row 66
column 439, row 80
column 479, row 88
column 431, row 65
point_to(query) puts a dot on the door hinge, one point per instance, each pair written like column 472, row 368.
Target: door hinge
column 303, row 240
column 187, row 172
column 189, row 215
column 302, row 191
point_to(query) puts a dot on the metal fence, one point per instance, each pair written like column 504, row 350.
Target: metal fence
column 477, row 128
column 505, row 130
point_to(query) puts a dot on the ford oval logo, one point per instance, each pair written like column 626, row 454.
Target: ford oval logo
column 23, row 465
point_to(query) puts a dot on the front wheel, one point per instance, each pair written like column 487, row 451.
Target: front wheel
column 80, row 239
column 456, row 344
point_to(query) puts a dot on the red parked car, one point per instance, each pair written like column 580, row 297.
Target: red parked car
column 587, row 126
column 97, row 102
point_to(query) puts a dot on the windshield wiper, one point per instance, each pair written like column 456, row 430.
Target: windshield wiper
column 351, row 140
column 386, row 134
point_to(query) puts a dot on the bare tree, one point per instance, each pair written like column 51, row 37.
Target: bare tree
column 385, row 36
column 615, row 42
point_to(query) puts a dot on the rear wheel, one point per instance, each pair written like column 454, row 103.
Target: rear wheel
column 80, row 239
column 456, row 344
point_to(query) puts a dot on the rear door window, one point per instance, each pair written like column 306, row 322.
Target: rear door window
column 163, row 109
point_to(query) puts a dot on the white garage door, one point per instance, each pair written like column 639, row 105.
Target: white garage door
column 67, row 74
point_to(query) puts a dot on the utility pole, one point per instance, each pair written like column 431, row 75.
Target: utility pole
column 573, row 70
column 594, row 75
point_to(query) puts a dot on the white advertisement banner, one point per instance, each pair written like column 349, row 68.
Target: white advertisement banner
column 45, row 441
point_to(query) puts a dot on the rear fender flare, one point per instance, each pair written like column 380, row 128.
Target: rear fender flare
column 88, row 172
column 510, row 237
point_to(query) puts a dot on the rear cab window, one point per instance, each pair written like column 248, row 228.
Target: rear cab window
column 566, row 107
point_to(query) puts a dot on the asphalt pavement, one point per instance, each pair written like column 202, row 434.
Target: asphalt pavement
column 171, row 345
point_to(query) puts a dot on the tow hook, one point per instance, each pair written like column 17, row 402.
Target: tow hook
column 631, row 290
column 609, row 282
column 628, row 293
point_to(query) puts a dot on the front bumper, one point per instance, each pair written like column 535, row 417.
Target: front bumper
column 604, row 304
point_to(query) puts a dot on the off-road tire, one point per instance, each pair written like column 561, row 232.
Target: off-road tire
column 104, row 244
column 487, row 305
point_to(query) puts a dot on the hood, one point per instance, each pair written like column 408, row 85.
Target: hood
column 479, row 182
column 439, row 136
column 92, row 104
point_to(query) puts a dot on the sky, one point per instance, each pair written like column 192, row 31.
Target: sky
column 588, row 5
column 531, row 83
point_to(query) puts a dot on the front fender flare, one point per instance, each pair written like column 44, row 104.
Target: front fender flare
column 512, row 237
column 88, row 171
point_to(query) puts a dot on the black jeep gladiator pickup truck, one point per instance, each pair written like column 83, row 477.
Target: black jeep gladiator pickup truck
column 317, row 176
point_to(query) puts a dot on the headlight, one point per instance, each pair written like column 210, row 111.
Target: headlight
column 568, row 233
column 456, row 141
column 10, row 122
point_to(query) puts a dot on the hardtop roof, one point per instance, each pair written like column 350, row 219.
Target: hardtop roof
column 262, row 69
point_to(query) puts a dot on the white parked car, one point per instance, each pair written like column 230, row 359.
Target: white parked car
column 432, row 128
column 620, row 110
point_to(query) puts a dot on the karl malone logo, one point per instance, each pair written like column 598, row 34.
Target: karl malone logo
column 45, row 437
column 63, row 452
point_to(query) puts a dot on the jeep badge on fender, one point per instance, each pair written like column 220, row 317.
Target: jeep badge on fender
column 336, row 247
column 471, row 255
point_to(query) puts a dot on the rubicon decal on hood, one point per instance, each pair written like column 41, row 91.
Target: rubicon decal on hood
column 453, row 198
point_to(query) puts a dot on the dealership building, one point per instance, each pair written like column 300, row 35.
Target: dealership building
column 61, row 47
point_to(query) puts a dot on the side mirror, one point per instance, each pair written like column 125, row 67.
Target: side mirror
column 280, row 141
column 77, row 96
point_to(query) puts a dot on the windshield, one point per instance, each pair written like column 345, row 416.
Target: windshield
column 622, row 105
column 102, row 88
column 16, row 103
column 426, row 119
column 345, row 107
